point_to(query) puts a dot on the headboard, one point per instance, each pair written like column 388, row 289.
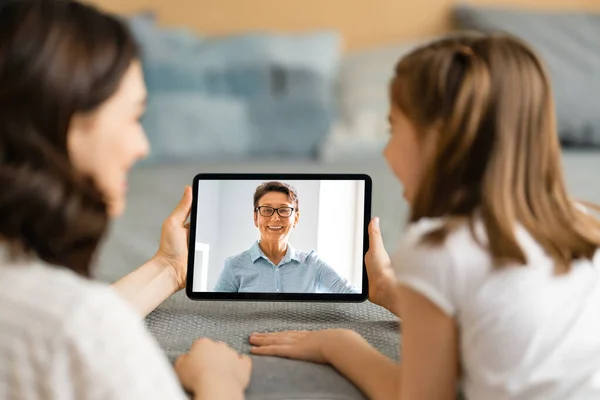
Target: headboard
column 362, row 23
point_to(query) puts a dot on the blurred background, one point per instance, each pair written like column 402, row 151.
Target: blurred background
column 301, row 86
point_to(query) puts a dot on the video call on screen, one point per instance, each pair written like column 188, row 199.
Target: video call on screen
column 279, row 246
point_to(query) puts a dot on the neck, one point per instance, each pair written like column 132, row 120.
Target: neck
column 274, row 251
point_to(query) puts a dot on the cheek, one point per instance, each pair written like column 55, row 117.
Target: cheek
column 403, row 157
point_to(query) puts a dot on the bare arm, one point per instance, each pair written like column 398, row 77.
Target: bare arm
column 373, row 373
column 429, row 367
column 430, row 357
column 166, row 273
column 390, row 298
column 149, row 285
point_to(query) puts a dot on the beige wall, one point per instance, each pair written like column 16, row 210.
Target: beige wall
column 364, row 23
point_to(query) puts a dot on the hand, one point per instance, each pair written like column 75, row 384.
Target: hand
column 299, row 345
column 214, row 368
column 379, row 268
column 173, row 249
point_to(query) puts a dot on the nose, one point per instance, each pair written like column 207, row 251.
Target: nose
column 275, row 216
column 143, row 147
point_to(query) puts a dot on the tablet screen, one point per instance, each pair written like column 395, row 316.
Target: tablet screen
column 278, row 237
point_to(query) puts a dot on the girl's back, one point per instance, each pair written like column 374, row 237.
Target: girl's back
column 525, row 332
column 500, row 269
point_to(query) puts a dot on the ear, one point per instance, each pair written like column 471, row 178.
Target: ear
column 296, row 218
column 256, row 219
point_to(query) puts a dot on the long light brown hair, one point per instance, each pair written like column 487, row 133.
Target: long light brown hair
column 496, row 155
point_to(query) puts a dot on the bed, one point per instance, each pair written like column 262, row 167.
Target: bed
column 154, row 190
column 305, row 91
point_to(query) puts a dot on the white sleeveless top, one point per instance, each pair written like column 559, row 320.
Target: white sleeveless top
column 524, row 333
column 68, row 338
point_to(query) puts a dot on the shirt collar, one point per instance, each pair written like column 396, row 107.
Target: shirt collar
column 291, row 254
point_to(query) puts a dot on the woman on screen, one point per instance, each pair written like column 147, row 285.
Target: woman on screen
column 272, row 264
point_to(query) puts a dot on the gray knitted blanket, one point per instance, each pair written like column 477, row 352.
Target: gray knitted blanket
column 179, row 321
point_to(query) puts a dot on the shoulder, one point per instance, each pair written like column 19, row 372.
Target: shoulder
column 309, row 257
column 242, row 258
column 59, row 302
column 40, row 292
column 441, row 272
column 84, row 331
column 465, row 238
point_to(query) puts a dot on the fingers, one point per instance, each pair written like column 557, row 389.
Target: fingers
column 268, row 340
column 283, row 337
column 183, row 209
column 375, row 239
column 374, row 228
column 274, row 350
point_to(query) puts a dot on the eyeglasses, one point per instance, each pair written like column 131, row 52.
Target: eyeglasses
column 267, row 211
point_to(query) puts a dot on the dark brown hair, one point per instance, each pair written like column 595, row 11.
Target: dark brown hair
column 280, row 187
column 57, row 58
column 488, row 101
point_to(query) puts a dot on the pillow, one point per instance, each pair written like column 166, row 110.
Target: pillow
column 567, row 42
column 365, row 77
column 195, row 127
column 158, row 43
column 237, row 57
column 362, row 98
column 284, row 84
column 291, row 126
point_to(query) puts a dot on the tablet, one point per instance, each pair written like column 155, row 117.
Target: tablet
column 279, row 237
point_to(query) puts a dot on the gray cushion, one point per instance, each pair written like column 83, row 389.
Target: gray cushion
column 568, row 43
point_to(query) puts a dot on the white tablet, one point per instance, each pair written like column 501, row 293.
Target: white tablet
column 279, row 237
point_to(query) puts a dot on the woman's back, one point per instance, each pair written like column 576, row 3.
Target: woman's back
column 66, row 337
column 525, row 332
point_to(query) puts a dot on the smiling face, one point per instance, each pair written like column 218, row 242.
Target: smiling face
column 404, row 153
column 275, row 228
column 107, row 142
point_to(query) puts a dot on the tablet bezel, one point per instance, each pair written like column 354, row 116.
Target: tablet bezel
column 277, row 297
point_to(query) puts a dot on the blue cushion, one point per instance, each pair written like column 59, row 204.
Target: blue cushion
column 160, row 43
column 277, row 88
column 293, row 127
column 196, row 127
column 567, row 42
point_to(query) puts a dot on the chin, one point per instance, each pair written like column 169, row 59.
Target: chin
column 115, row 209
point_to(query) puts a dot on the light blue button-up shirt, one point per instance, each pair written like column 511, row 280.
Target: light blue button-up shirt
column 298, row 272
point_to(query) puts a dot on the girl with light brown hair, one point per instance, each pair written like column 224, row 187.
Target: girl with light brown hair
column 497, row 279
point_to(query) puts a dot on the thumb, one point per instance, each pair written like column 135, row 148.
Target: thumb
column 375, row 239
column 179, row 361
column 183, row 209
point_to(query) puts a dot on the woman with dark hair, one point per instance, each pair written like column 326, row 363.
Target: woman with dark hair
column 71, row 95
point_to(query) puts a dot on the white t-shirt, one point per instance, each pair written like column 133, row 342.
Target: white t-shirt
column 524, row 332
column 68, row 338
